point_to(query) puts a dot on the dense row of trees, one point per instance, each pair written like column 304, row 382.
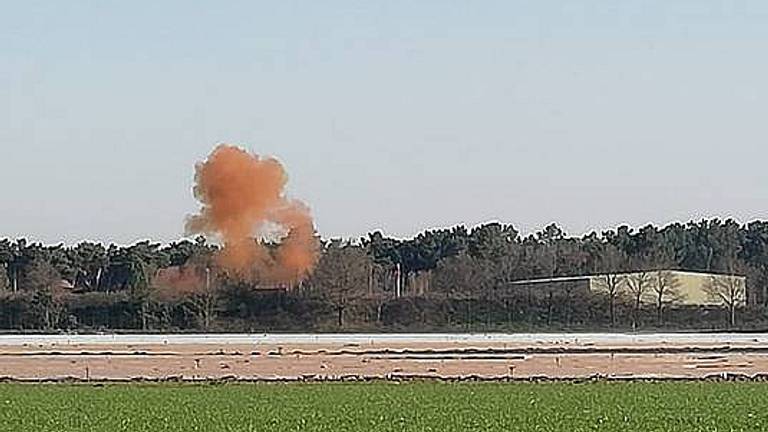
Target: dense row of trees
column 454, row 278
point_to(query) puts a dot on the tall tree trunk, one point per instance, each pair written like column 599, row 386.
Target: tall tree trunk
column 469, row 315
column 508, row 307
column 612, row 308
column 659, row 315
column 550, row 305
column 636, row 312
column 733, row 314
column 340, row 317
column 660, row 309
column 207, row 312
column 143, row 315
column 487, row 312
column 529, row 306
column 370, row 279
column 98, row 280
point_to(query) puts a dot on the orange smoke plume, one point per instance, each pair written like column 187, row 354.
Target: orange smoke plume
column 265, row 235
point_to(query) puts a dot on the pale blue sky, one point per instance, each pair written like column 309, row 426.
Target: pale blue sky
column 392, row 115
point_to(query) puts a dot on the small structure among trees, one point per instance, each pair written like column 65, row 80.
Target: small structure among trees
column 681, row 287
column 662, row 288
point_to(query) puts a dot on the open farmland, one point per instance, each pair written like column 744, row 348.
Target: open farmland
column 308, row 357
column 567, row 407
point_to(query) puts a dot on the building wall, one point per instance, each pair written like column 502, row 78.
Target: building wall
column 691, row 287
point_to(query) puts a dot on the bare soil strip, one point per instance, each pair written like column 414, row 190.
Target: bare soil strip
column 451, row 358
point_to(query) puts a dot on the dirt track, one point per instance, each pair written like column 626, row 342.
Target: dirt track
column 334, row 356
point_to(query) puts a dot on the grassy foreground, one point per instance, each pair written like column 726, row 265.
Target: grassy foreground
column 625, row 407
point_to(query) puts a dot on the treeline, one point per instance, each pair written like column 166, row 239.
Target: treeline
column 443, row 279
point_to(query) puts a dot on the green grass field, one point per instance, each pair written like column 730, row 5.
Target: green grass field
column 625, row 407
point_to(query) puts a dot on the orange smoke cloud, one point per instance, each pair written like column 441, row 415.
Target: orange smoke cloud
column 265, row 235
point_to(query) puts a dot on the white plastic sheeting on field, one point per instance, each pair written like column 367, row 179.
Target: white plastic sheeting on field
column 389, row 338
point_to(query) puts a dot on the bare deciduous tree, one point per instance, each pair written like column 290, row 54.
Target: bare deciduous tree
column 666, row 291
column 638, row 285
column 43, row 280
column 342, row 275
column 612, row 285
column 381, row 288
column 730, row 290
column 465, row 278
column 196, row 286
column 611, row 280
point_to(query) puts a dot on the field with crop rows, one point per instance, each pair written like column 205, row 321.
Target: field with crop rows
column 424, row 406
